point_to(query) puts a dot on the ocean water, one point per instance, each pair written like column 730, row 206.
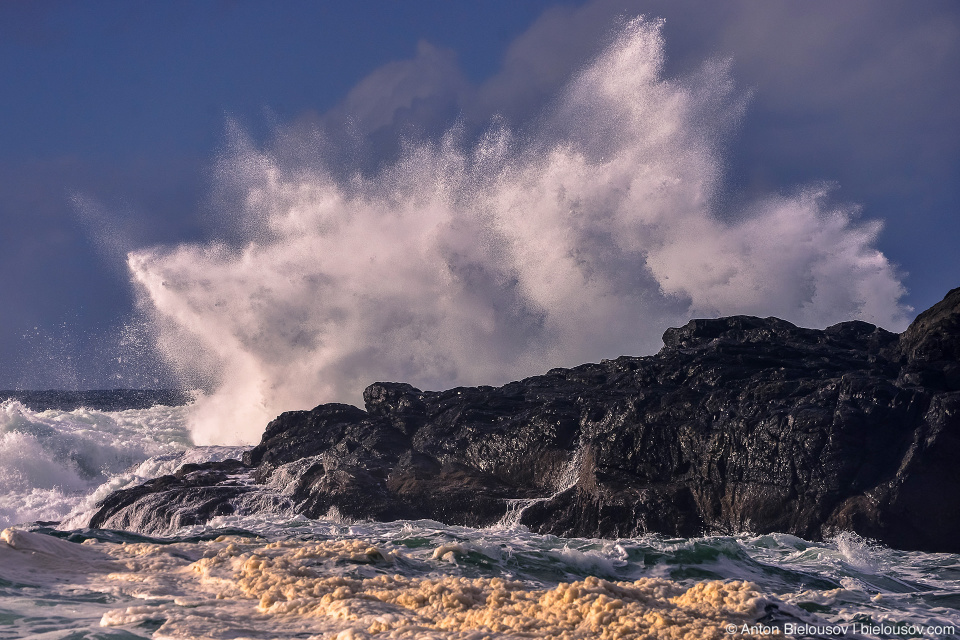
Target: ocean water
column 58, row 458
column 278, row 575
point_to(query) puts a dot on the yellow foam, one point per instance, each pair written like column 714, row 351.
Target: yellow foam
column 291, row 584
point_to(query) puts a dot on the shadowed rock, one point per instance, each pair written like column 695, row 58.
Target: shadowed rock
column 737, row 424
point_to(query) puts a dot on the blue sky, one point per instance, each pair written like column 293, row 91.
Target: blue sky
column 113, row 115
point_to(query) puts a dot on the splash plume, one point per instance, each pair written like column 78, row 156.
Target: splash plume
column 480, row 262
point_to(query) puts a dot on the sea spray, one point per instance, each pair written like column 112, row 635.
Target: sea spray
column 468, row 262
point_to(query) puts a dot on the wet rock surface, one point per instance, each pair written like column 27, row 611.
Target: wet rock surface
column 737, row 424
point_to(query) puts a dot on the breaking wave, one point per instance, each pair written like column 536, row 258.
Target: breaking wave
column 55, row 461
column 468, row 262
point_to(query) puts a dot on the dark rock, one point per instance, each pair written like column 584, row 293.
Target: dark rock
column 193, row 495
column 737, row 424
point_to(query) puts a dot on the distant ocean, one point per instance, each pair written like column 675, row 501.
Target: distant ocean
column 278, row 575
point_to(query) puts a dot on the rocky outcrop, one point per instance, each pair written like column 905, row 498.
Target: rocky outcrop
column 191, row 496
column 737, row 424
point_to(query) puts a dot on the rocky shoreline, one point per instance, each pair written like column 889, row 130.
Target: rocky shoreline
column 737, row 424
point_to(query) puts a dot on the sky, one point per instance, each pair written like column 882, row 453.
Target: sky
column 129, row 126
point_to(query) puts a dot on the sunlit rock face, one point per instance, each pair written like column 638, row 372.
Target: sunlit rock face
column 737, row 424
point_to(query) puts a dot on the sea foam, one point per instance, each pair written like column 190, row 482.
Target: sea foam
column 320, row 579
